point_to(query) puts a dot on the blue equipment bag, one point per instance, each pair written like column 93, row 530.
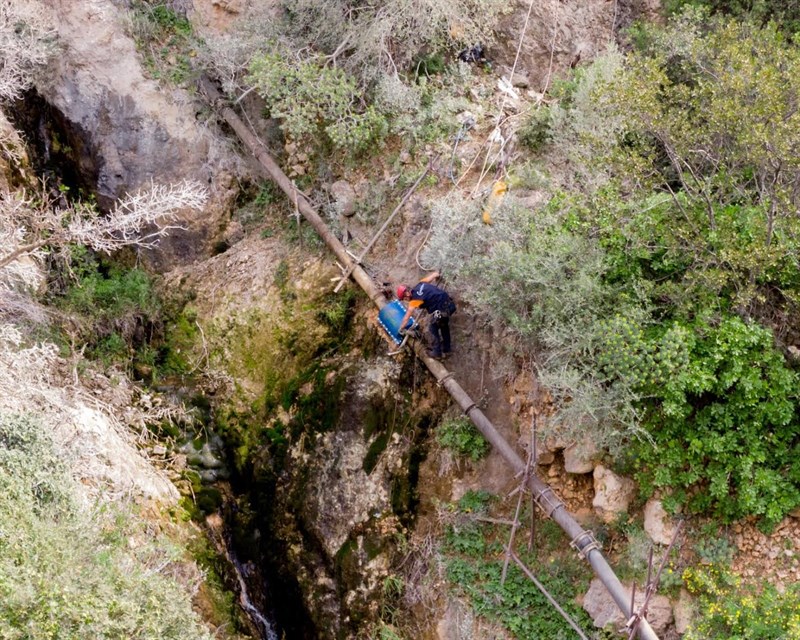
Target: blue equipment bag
column 390, row 318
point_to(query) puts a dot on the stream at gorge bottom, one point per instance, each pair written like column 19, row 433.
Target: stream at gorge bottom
column 234, row 505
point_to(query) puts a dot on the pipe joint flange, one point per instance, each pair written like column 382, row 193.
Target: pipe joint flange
column 444, row 378
column 548, row 501
column 470, row 408
column 585, row 543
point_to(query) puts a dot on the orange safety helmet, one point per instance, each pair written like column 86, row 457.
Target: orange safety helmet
column 402, row 290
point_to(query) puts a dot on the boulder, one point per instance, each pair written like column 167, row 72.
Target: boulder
column 612, row 493
column 604, row 612
column 581, row 456
column 344, row 196
column 657, row 522
column 683, row 611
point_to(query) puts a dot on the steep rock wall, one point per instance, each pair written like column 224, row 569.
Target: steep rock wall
column 126, row 130
column 327, row 439
column 554, row 36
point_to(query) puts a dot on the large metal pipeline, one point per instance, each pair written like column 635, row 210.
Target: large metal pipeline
column 580, row 539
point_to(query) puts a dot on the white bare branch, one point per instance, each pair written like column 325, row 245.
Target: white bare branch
column 23, row 369
column 139, row 219
column 27, row 39
column 30, row 224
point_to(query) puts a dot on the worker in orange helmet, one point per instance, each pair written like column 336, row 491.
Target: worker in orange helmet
column 439, row 305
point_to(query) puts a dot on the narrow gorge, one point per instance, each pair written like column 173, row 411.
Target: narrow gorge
column 198, row 401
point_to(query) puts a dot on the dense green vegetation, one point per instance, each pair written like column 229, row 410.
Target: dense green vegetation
column 116, row 314
column 114, row 310
column 659, row 285
column 70, row 570
column 473, row 555
column 706, row 121
column 462, row 438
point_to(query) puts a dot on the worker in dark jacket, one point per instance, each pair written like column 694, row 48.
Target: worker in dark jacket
column 439, row 305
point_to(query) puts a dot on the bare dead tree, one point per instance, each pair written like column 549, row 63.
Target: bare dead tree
column 29, row 224
column 27, row 39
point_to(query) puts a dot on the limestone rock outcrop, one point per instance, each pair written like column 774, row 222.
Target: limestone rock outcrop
column 684, row 611
column 564, row 35
column 657, row 522
column 124, row 130
column 612, row 493
column 581, row 456
column 605, row 613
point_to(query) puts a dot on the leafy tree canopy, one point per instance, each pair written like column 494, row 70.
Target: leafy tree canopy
column 652, row 287
column 709, row 118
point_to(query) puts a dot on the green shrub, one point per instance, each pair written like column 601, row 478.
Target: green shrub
column 166, row 39
column 725, row 423
column 462, row 437
column 728, row 609
column 714, row 549
column 536, row 133
column 475, row 501
column 534, row 275
column 31, row 474
column 118, row 308
column 428, row 65
column 110, row 349
column 69, row 572
column 168, row 20
column 114, row 293
column 691, row 117
column 311, row 99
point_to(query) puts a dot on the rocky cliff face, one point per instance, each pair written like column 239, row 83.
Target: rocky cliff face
column 125, row 130
column 546, row 39
column 328, row 441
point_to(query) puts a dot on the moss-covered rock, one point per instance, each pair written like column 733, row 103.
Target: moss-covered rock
column 322, row 431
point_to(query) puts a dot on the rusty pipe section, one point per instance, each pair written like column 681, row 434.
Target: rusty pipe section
column 272, row 171
column 582, row 540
